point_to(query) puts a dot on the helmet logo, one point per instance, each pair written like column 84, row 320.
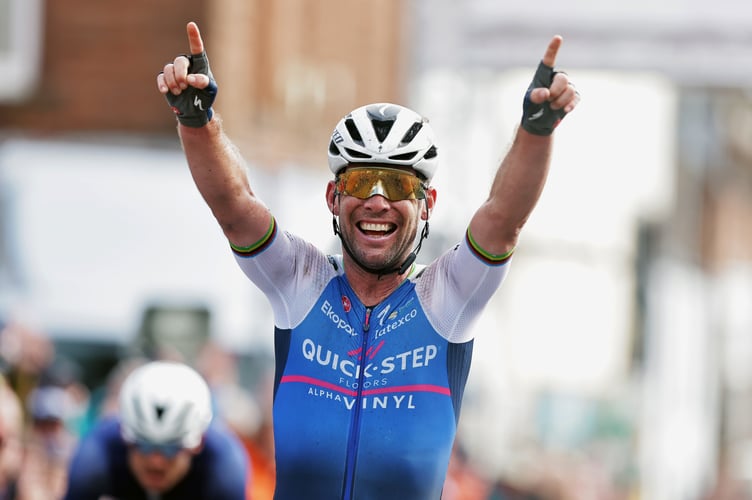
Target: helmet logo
column 386, row 112
column 337, row 137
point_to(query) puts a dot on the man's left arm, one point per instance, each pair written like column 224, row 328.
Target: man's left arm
column 519, row 181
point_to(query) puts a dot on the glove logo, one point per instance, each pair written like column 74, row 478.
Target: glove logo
column 536, row 115
column 197, row 103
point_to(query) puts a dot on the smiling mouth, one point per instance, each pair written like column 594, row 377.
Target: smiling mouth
column 374, row 229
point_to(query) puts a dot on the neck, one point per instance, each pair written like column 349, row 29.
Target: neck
column 370, row 288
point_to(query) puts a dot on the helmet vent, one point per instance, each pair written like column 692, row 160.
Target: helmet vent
column 333, row 148
column 431, row 153
column 159, row 410
column 411, row 133
column 353, row 130
column 403, row 156
column 357, row 154
column 180, row 421
column 382, row 128
column 138, row 410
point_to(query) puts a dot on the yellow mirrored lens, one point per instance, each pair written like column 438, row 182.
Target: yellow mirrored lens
column 393, row 184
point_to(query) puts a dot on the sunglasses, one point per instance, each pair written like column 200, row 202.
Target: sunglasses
column 167, row 450
column 392, row 184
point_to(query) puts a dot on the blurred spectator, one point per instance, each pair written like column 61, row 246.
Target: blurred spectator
column 49, row 444
column 253, row 425
column 463, row 482
column 244, row 414
column 26, row 352
column 105, row 398
column 11, row 448
column 728, row 485
column 507, row 490
column 66, row 375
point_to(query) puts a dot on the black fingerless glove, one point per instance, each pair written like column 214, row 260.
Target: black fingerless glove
column 193, row 106
column 540, row 119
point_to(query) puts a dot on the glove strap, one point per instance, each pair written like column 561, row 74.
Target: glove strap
column 540, row 119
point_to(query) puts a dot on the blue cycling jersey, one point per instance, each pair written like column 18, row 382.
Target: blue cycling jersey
column 99, row 468
column 367, row 398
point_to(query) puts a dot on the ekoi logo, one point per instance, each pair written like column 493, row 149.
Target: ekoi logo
column 341, row 324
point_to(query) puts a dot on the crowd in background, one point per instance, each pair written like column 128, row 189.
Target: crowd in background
column 45, row 408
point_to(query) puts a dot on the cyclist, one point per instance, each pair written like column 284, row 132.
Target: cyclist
column 372, row 350
column 162, row 444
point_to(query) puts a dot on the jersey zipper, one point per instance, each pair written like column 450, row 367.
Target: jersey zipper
column 348, row 488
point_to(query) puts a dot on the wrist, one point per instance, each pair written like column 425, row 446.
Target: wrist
column 212, row 126
column 196, row 121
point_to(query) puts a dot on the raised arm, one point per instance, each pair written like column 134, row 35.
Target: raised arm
column 215, row 163
column 522, row 174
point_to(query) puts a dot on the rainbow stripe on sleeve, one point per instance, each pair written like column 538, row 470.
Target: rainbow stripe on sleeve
column 489, row 258
column 260, row 245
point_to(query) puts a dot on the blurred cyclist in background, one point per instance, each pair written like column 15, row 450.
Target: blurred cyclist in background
column 163, row 443
column 372, row 350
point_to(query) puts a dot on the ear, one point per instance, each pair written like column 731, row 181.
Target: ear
column 430, row 203
column 331, row 198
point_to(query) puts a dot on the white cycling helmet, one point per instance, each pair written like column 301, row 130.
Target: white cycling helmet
column 165, row 402
column 387, row 134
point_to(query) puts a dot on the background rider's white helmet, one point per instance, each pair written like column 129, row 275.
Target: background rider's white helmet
column 165, row 402
column 387, row 134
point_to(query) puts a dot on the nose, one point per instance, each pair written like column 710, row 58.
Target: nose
column 376, row 203
column 157, row 460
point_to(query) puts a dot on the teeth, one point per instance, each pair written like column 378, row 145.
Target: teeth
column 369, row 226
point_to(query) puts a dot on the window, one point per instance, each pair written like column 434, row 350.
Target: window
column 20, row 47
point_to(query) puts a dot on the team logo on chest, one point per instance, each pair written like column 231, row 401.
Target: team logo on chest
column 346, row 304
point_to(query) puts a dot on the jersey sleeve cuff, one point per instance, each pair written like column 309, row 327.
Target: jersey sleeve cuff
column 260, row 245
column 491, row 259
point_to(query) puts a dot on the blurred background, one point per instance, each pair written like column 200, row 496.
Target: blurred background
column 616, row 360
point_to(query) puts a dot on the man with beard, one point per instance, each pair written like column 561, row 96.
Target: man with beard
column 372, row 350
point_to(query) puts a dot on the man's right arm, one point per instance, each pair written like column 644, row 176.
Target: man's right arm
column 215, row 163
column 220, row 175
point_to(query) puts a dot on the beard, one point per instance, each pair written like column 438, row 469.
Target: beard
column 378, row 261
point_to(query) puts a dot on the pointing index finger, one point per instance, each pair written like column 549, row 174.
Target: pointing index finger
column 549, row 58
column 194, row 38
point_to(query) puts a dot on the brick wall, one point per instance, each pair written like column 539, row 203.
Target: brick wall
column 100, row 61
column 287, row 69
